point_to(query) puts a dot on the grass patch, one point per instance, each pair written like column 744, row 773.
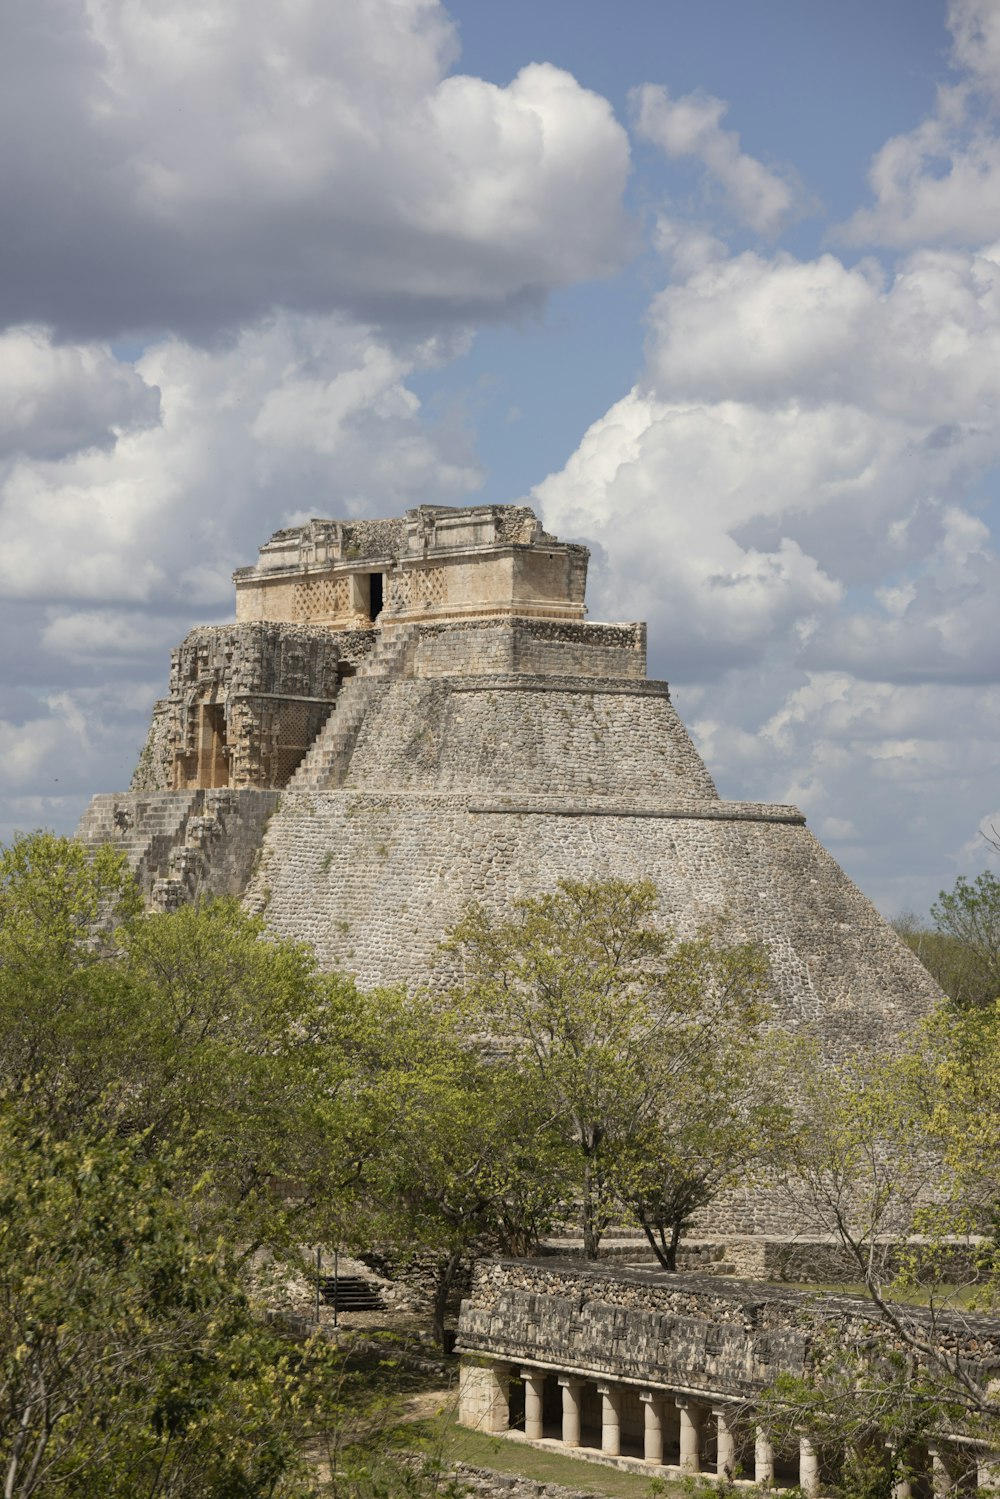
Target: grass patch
column 966, row 1298
column 459, row 1444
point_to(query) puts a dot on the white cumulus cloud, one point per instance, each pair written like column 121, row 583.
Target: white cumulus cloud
column 195, row 165
column 56, row 399
column 785, row 495
column 690, row 125
column 939, row 184
column 297, row 414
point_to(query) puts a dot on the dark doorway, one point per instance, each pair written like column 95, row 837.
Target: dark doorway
column 377, row 581
column 552, row 1407
column 213, row 751
column 516, row 1406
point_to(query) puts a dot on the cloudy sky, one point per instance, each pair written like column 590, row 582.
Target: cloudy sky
column 716, row 285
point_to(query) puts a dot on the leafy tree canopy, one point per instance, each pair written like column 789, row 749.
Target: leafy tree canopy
column 131, row 1359
column 637, row 1039
column 962, row 949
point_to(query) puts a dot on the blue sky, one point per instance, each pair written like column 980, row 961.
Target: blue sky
column 716, row 287
column 817, row 85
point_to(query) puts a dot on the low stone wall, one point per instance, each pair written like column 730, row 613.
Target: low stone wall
column 798, row 1260
column 643, row 1368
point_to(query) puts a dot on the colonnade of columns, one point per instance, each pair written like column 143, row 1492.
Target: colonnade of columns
column 485, row 1404
column 692, row 1416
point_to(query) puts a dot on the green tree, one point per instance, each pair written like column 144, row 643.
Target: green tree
column 883, row 1149
column 963, row 1058
column 861, row 1160
column 961, row 950
column 466, row 1159
column 132, row 1361
column 245, row 1051
column 724, row 1119
column 623, row 1025
column 174, row 1091
column 194, row 1026
column 65, row 1007
column 969, row 915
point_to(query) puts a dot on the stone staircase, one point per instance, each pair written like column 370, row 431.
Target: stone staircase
column 145, row 828
column 350, row 1293
column 180, row 844
column 325, row 764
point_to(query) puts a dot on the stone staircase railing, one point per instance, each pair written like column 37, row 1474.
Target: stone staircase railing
column 326, row 761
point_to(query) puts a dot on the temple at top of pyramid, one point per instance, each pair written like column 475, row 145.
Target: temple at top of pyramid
column 408, row 715
column 434, row 563
column 438, row 593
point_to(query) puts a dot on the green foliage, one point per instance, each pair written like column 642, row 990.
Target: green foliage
column 64, row 1002
column 860, row 1160
column 466, row 1159
column 945, row 958
column 868, row 1412
column 970, row 915
column 636, row 1041
column 885, row 1148
column 186, row 1026
column 131, row 1361
column 174, row 1090
column 964, row 1054
column 244, row 1052
column 962, row 951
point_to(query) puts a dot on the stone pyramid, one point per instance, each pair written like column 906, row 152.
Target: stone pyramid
column 412, row 714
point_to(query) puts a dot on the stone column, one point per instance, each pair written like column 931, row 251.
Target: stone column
column 725, row 1458
column 571, row 1409
column 763, row 1459
column 534, row 1403
column 901, row 1487
column 942, row 1477
column 653, row 1426
column 808, row 1467
column 690, row 1434
column 611, row 1424
column 484, row 1396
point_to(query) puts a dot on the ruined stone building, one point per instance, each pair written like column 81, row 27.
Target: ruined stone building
column 671, row 1374
column 414, row 713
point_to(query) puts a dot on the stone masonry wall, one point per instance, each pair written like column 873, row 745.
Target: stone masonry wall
column 154, row 771
column 182, row 845
column 543, row 737
column 374, row 880
column 275, row 684
column 540, row 647
column 688, row 1332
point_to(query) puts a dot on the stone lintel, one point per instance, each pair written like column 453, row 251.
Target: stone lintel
column 595, row 1376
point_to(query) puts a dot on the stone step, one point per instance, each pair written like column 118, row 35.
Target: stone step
column 335, row 742
column 350, row 1293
